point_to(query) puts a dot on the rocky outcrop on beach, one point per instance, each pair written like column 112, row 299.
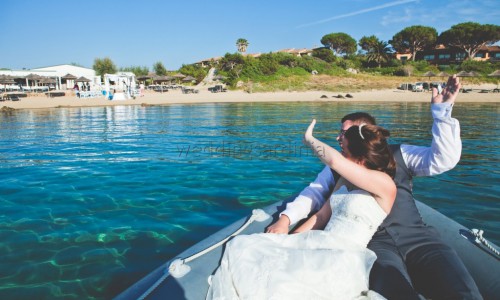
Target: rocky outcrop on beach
column 7, row 109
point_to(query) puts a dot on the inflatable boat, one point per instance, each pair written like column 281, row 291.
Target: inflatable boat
column 186, row 276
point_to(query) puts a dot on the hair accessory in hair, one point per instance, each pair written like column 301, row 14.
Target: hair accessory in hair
column 359, row 127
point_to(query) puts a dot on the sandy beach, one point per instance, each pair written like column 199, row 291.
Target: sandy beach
column 204, row 96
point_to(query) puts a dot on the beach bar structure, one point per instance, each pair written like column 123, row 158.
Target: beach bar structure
column 34, row 77
column 121, row 85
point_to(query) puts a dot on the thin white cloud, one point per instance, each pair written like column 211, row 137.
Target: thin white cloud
column 398, row 18
column 480, row 11
column 358, row 12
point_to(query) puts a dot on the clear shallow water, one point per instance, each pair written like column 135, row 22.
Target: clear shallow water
column 93, row 199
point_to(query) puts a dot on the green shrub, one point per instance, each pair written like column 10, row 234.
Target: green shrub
column 324, row 54
column 394, row 63
column 482, row 67
column 420, row 66
column 450, row 69
column 405, row 70
column 194, row 70
column 386, row 71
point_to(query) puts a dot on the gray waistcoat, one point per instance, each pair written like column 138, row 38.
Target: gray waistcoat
column 404, row 224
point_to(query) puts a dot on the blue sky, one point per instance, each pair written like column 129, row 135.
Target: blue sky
column 38, row 33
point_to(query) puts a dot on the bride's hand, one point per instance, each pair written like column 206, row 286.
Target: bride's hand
column 308, row 135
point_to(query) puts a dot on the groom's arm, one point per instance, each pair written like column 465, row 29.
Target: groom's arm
column 446, row 147
column 310, row 199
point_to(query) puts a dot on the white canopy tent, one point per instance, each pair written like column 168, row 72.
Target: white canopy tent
column 124, row 85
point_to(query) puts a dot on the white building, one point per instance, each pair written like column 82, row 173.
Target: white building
column 57, row 72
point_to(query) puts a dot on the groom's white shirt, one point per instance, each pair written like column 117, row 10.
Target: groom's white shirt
column 443, row 155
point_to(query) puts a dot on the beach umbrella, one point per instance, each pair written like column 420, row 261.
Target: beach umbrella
column 69, row 77
column 429, row 74
column 474, row 74
column 188, row 78
column 495, row 74
column 467, row 74
column 162, row 78
column 463, row 74
column 147, row 76
column 443, row 74
column 178, row 76
column 6, row 79
column 144, row 77
column 32, row 77
column 48, row 80
column 82, row 79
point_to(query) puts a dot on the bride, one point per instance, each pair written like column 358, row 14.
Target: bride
column 333, row 263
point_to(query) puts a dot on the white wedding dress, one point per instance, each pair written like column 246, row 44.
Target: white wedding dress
column 329, row 264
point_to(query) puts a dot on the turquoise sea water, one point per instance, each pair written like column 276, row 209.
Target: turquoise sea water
column 92, row 199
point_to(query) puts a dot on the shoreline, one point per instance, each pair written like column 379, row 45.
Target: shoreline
column 204, row 96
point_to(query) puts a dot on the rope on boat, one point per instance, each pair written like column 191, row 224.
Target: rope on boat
column 178, row 267
column 481, row 240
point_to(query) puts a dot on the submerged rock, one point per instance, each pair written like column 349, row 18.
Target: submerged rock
column 7, row 109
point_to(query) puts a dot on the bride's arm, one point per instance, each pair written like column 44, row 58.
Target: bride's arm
column 317, row 221
column 378, row 183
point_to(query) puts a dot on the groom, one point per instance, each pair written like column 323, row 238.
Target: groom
column 411, row 257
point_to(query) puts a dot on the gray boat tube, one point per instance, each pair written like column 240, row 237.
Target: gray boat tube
column 482, row 263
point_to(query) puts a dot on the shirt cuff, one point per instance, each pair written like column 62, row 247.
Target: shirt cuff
column 441, row 111
column 291, row 216
column 298, row 209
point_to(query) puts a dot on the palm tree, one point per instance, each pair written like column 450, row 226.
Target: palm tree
column 242, row 45
column 379, row 52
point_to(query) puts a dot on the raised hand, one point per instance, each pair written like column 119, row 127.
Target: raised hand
column 308, row 135
column 450, row 92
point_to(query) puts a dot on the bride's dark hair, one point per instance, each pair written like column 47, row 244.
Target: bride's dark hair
column 368, row 143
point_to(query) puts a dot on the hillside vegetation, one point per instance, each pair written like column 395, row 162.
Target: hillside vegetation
column 285, row 72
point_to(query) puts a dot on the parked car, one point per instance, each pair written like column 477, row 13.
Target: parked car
column 436, row 84
column 426, row 86
column 218, row 88
column 418, row 87
column 405, row 87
